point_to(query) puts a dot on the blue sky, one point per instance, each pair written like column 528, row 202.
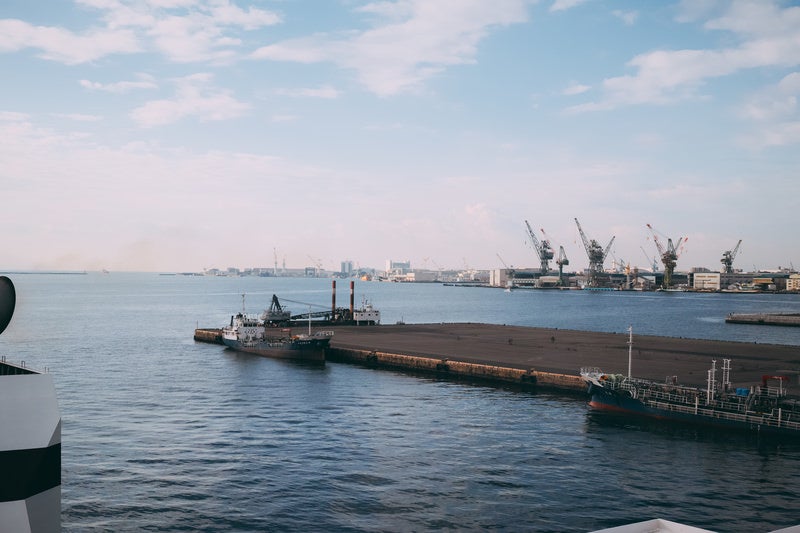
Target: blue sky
column 174, row 135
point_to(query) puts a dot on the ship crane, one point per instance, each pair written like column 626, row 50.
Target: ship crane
column 597, row 254
column 543, row 250
column 728, row 257
column 669, row 255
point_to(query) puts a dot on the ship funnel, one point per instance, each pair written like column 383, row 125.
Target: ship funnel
column 8, row 299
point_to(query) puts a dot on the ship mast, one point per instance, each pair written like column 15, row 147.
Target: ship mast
column 630, row 349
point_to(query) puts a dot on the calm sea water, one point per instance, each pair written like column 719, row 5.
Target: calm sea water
column 164, row 434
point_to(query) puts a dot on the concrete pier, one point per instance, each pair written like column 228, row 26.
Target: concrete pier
column 549, row 358
column 458, row 369
column 764, row 319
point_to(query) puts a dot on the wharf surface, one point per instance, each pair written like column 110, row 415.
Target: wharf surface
column 766, row 319
column 550, row 358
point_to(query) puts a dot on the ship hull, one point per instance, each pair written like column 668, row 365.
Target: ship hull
column 30, row 452
column 311, row 350
column 621, row 402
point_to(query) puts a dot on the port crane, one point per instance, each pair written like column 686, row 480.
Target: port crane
column 669, row 255
column 728, row 257
column 652, row 262
column 543, row 250
column 561, row 259
column 510, row 271
column 597, row 254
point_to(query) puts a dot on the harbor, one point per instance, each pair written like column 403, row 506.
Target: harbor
column 170, row 433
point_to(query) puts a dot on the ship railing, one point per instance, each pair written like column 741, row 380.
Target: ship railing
column 7, row 368
column 773, row 392
column 673, row 395
column 771, row 420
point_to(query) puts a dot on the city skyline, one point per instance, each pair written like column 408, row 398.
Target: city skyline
column 177, row 135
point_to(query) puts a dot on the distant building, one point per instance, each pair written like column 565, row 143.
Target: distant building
column 707, row 281
column 347, row 268
column 793, row 282
column 398, row 267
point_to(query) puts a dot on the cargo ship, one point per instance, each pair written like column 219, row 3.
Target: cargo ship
column 765, row 408
column 259, row 335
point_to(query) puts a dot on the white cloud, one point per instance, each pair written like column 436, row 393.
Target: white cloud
column 11, row 116
column 58, row 44
column 576, row 89
column 769, row 37
column 627, row 17
column 324, row 91
column 185, row 40
column 252, row 19
column 145, row 82
column 192, row 98
column 776, row 114
column 419, row 40
column 184, row 31
column 80, row 117
column 563, row 5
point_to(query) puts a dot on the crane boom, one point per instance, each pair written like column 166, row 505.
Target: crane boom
column 583, row 237
column 608, row 247
column 543, row 250
column 510, row 282
column 532, row 235
column 728, row 257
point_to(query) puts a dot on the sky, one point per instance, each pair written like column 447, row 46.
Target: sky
column 178, row 135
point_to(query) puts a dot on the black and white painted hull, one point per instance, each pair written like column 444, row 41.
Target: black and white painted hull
column 30, row 451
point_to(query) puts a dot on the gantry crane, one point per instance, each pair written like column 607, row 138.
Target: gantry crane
column 669, row 255
column 728, row 257
column 597, row 255
column 543, row 250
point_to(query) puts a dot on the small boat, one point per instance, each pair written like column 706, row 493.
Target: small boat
column 258, row 335
column 764, row 408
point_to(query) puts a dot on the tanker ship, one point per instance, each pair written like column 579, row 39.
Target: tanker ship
column 764, row 408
